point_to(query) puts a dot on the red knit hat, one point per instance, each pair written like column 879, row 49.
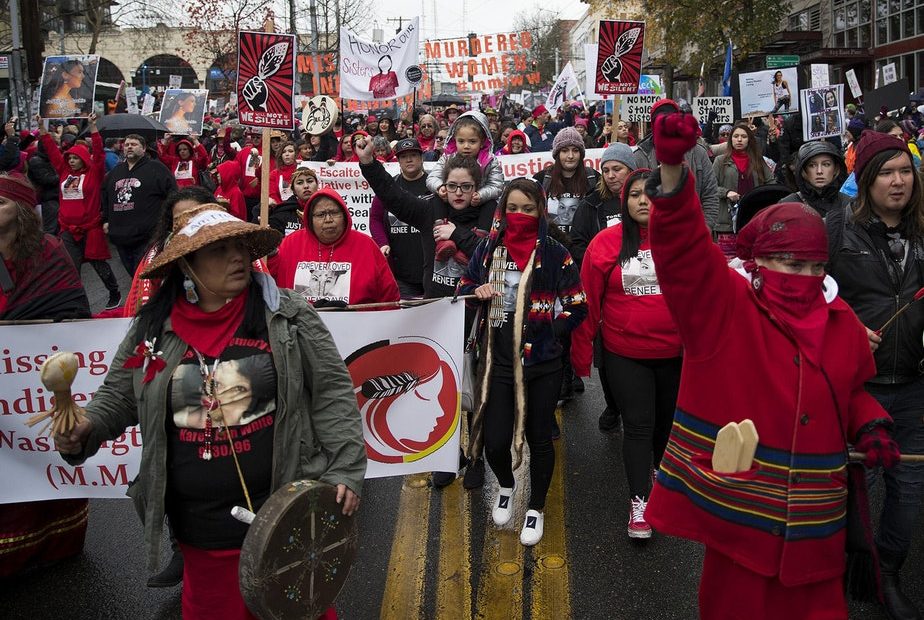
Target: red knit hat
column 789, row 229
column 871, row 144
column 17, row 188
column 539, row 109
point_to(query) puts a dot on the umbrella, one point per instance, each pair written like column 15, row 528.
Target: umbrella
column 120, row 125
column 918, row 97
column 444, row 99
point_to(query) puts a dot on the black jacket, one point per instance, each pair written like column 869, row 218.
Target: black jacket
column 829, row 197
column 44, row 177
column 133, row 199
column 875, row 286
column 472, row 225
column 593, row 215
column 562, row 217
column 284, row 216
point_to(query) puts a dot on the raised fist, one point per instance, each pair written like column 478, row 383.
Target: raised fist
column 674, row 135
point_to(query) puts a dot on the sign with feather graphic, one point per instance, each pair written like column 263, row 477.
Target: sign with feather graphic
column 266, row 79
column 619, row 57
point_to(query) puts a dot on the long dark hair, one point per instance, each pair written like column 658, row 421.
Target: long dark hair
column 164, row 227
column 631, row 235
column 464, row 163
column 534, row 191
column 755, row 156
column 560, row 184
column 912, row 214
column 57, row 77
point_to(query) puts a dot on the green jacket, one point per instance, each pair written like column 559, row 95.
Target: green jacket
column 318, row 429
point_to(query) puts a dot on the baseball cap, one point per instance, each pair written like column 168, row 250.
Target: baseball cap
column 407, row 144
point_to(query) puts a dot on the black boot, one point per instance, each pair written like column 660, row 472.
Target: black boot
column 898, row 606
column 172, row 574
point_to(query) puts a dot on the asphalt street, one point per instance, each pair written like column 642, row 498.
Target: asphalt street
column 427, row 553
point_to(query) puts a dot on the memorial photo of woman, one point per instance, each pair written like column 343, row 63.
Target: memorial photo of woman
column 383, row 84
column 67, row 86
column 182, row 112
column 782, row 96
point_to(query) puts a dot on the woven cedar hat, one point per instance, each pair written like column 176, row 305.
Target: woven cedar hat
column 204, row 225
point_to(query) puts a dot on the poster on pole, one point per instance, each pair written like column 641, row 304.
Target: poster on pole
column 825, row 112
column 889, row 74
column 131, row 100
column 182, row 111
column 770, row 91
column 370, row 71
column 590, row 68
column 266, row 79
column 565, row 86
column 176, row 81
column 722, row 107
column 820, row 77
column 67, row 86
column 619, row 57
column 637, row 108
column 147, row 106
column 854, row 83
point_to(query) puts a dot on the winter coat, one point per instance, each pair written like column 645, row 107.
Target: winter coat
column 230, row 174
column 551, row 277
column 726, row 174
column 593, row 215
column 133, row 199
column 79, row 194
column 541, row 139
column 188, row 174
column 870, row 282
column 317, row 433
column 828, row 198
column 492, row 175
column 405, row 256
column 697, row 160
column 472, row 224
column 624, row 304
column 309, row 267
column 784, row 518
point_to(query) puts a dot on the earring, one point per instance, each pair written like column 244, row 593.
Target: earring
column 190, row 287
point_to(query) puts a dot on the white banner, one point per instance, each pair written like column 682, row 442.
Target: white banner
column 724, row 108
column 413, row 428
column 825, row 112
column 590, row 66
column 854, row 83
column 562, row 89
column 371, row 71
column 131, row 100
column 637, row 108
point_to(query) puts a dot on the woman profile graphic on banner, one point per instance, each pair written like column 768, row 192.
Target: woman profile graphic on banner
column 68, row 83
column 383, row 85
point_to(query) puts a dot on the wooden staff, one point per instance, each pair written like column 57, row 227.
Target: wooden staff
column 265, row 154
column 401, row 303
column 859, row 457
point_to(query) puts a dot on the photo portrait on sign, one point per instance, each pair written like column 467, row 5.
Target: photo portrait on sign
column 619, row 57
column 825, row 116
column 383, row 85
column 68, row 84
column 266, row 80
column 316, row 280
column 182, row 111
column 774, row 91
column 377, row 70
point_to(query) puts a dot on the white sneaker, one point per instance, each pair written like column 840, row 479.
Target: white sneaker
column 532, row 528
column 503, row 507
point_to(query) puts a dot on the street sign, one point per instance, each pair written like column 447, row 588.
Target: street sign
column 413, row 74
column 776, row 61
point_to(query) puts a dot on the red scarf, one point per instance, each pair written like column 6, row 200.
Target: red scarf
column 208, row 332
column 741, row 160
column 520, row 237
column 799, row 303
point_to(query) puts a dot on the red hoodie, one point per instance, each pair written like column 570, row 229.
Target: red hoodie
column 79, row 194
column 279, row 179
column 185, row 171
column 635, row 319
column 249, row 161
column 230, row 174
column 352, row 270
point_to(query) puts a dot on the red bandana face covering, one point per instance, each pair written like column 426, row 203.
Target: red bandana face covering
column 208, row 332
column 799, row 303
column 520, row 237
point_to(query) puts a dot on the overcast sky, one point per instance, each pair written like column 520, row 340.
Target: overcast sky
column 457, row 17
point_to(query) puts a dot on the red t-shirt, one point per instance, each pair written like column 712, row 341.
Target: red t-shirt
column 383, row 85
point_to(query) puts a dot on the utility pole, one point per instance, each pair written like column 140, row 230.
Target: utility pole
column 400, row 21
column 20, row 103
column 556, row 63
column 315, row 63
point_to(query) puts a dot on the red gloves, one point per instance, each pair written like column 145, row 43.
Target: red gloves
column 674, row 135
column 879, row 447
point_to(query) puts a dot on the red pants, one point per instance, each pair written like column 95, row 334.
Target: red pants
column 211, row 588
column 729, row 591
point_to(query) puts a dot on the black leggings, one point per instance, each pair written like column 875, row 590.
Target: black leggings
column 76, row 251
column 541, row 399
column 646, row 394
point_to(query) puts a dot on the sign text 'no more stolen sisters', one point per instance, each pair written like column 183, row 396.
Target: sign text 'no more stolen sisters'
column 266, row 79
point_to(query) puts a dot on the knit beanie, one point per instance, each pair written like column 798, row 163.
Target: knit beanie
column 568, row 136
column 17, row 188
column 856, row 127
column 871, row 144
column 618, row 151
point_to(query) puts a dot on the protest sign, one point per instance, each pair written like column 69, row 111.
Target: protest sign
column 565, row 85
column 176, row 81
column 822, row 112
column 892, row 96
column 820, row 77
column 67, row 87
column 408, row 431
column 370, row 70
column 182, row 111
column 619, row 57
column 147, row 106
column 723, row 107
column 266, row 79
column 889, row 74
column 770, row 91
column 637, row 108
column 854, row 83
column 590, row 68
column 131, row 100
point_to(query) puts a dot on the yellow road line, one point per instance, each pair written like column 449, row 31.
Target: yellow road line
column 454, row 586
column 403, row 598
column 550, row 589
column 500, row 594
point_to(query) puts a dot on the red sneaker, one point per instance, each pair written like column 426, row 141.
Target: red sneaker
column 638, row 527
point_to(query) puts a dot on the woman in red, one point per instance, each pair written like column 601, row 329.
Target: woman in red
column 185, row 159
column 81, row 180
column 640, row 341
column 228, row 177
column 773, row 344
column 281, row 177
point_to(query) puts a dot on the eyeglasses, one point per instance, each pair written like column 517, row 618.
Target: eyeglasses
column 427, row 125
column 323, row 215
column 896, row 247
column 455, row 188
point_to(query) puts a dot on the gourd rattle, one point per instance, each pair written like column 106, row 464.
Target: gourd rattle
column 57, row 374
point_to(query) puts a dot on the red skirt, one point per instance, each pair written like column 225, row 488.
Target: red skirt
column 729, row 591
column 211, row 588
column 39, row 533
